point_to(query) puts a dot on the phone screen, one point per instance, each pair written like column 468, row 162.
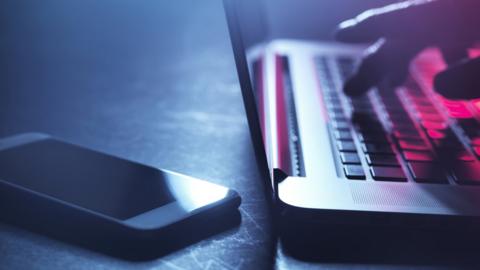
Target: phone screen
column 92, row 180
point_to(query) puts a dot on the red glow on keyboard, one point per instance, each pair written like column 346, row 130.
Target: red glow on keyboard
column 433, row 117
column 435, row 134
column 476, row 149
column 476, row 104
column 427, row 65
column 435, row 125
column 456, row 108
column 475, row 141
column 474, row 52
column 461, row 115
column 465, row 156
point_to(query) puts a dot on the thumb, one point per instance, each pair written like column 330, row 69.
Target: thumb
column 460, row 81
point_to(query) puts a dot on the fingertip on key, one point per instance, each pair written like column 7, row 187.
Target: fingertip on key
column 446, row 86
column 354, row 87
column 459, row 81
column 443, row 85
column 440, row 83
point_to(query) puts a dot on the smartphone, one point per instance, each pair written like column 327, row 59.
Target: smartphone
column 54, row 185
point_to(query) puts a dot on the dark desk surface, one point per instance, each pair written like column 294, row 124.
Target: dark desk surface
column 166, row 96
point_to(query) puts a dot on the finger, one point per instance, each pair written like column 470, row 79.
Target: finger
column 453, row 54
column 369, row 71
column 399, row 72
column 385, row 59
column 399, row 20
column 460, row 81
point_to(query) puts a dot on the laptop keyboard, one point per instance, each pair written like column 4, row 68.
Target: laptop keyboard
column 399, row 135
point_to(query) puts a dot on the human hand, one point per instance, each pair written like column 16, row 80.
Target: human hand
column 400, row 31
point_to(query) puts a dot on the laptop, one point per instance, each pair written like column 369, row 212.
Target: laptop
column 401, row 156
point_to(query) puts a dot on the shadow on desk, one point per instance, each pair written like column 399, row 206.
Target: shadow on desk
column 177, row 237
column 369, row 245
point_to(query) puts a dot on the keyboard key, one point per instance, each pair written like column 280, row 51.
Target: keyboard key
column 335, row 110
column 330, row 96
column 362, row 107
column 392, row 103
column 470, row 128
column 404, row 118
column 340, row 125
column 395, row 110
column 354, row 172
column 453, row 104
column 364, row 112
column 332, row 99
column 417, row 156
column 406, row 130
column 465, row 156
column 369, row 126
column 366, row 119
column 387, row 173
column 407, row 135
column 434, row 125
column 382, row 160
column 362, row 100
column 421, row 101
column 448, row 144
column 426, row 109
column 476, row 149
column 329, row 92
column 373, row 137
column 435, row 134
column 413, row 89
column 467, row 172
column 349, row 158
column 472, row 133
column 394, row 107
column 460, row 114
column 429, row 117
column 372, row 148
column 343, row 135
column 413, row 145
column 337, row 117
column 403, row 126
column 475, row 141
column 469, row 124
column 346, row 146
column 427, row 172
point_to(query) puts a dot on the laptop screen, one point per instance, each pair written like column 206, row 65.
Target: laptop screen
column 249, row 32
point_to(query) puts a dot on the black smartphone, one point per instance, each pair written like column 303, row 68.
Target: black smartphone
column 54, row 185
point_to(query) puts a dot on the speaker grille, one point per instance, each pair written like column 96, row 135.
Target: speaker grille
column 394, row 195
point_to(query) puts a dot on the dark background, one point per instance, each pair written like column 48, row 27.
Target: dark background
column 155, row 82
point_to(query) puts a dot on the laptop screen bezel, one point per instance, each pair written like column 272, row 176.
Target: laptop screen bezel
column 247, row 90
